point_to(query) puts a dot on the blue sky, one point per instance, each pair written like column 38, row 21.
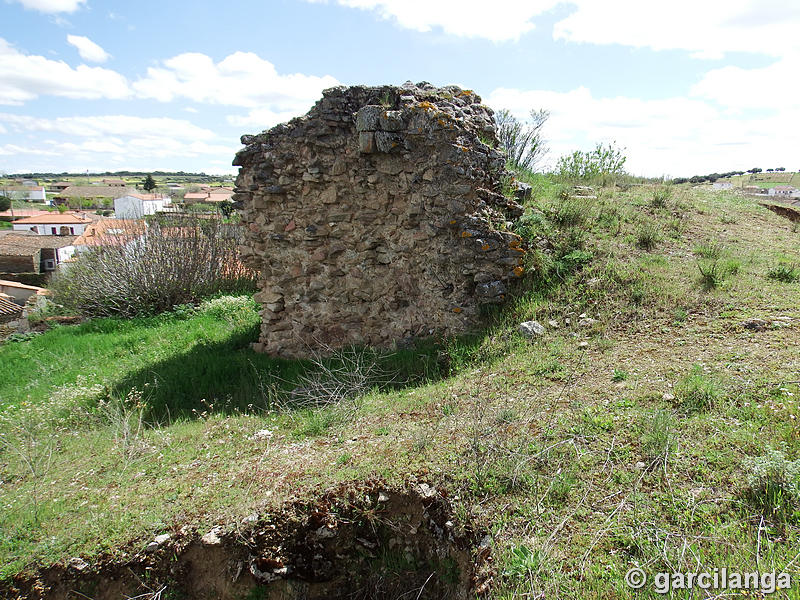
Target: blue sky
column 686, row 87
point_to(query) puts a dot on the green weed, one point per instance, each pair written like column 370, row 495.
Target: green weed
column 697, row 392
column 786, row 273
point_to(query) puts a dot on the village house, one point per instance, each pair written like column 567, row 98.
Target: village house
column 209, row 195
column 53, row 224
column 109, row 232
column 114, row 182
column 59, row 186
column 28, row 193
column 782, row 191
column 136, row 206
column 28, row 253
column 96, row 194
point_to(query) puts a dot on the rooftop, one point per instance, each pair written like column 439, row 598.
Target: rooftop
column 94, row 191
column 9, row 307
column 24, row 245
column 54, row 219
column 109, row 232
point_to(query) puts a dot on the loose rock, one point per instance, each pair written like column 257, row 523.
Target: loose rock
column 531, row 329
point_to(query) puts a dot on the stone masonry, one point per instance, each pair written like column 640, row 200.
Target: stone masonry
column 376, row 219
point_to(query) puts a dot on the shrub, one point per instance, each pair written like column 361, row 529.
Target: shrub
column 648, row 235
column 150, row 267
column 712, row 273
column 773, row 485
column 523, row 143
column 603, row 163
column 787, row 273
column 660, row 196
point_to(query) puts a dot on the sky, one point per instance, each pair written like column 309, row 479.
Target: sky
column 685, row 87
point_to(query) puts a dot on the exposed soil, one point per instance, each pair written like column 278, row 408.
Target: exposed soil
column 789, row 212
column 357, row 541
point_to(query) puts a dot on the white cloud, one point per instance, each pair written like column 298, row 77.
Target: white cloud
column 53, row 6
column 80, row 143
column 676, row 136
column 24, row 77
column 261, row 118
column 708, row 29
column 502, row 20
column 110, row 125
column 88, row 49
column 240, row 79
column 774, row 87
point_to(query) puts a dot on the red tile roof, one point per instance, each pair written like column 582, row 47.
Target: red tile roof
column 110, row 232
column 54, row 219
column 21, row 213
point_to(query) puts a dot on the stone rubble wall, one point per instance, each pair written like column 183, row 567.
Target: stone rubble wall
column 376, row 218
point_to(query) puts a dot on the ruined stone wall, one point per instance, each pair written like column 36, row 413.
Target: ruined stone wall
column 376, row 218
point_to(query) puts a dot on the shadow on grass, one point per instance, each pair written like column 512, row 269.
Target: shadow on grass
column 227, row 376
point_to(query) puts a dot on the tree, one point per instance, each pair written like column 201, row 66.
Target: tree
column 5, row 203
column 781, row 169
column 149, row 183
column 523, row 143
column 754, row 170
column 226, row 208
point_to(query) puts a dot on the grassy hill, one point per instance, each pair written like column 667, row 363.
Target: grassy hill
column 766, row 180
column 654, row 423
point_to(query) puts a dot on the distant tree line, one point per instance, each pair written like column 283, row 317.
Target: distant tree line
column 712, row 177
column 181, row 174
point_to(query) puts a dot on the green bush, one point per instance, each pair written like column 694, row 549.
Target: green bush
column 787, row 273
column 601, row 164
column 773, row 485
column 714, row 272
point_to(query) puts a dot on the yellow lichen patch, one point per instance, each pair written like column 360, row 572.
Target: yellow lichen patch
column 453, row 222
column 457, row 309
column 518, row 271
column 425, row 105
column 485, row 247
column 466, row 234
column 514, row 244
column 518, row 249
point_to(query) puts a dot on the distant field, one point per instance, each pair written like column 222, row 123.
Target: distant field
column 766, row 180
